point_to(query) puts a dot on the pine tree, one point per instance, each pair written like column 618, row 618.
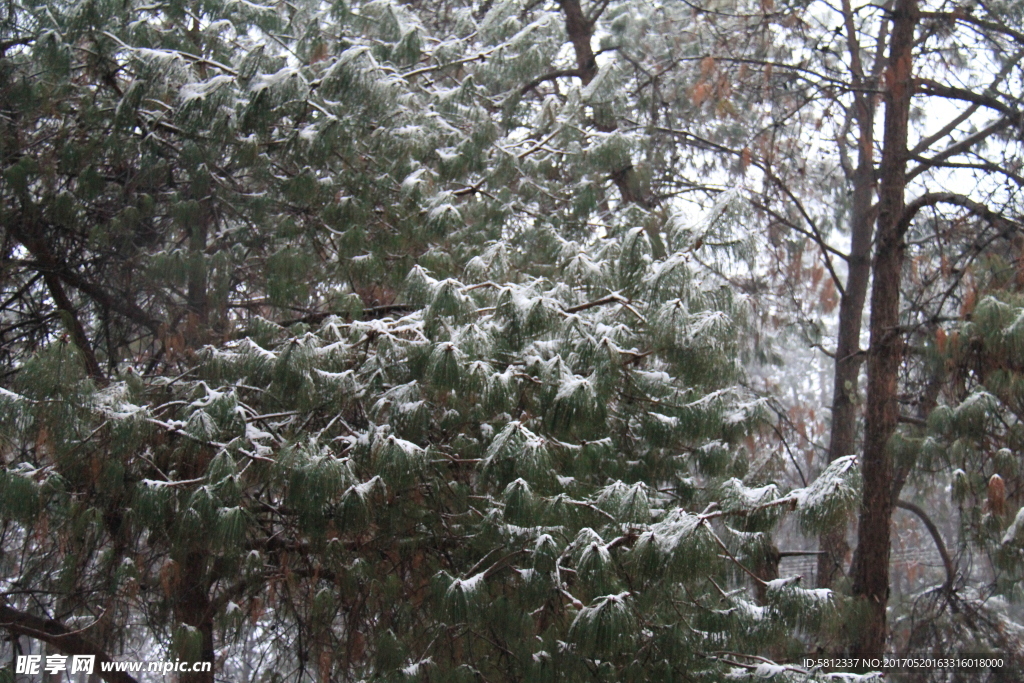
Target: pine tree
column 364, row 341
column 528, row 480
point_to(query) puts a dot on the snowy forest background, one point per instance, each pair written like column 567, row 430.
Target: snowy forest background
column 516, row 340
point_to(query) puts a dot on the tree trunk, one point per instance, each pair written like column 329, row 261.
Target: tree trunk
column 871, row 560
column 631, row 190
column 193, row 608
column 198, row 297
column 842, row 438
column 580, row 32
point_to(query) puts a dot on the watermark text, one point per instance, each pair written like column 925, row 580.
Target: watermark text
column 55, row 664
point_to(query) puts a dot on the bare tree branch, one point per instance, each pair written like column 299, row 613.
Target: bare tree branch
column 927, row 86
column 560, row 73
column 957, row 148
column 933, row 198
column 52, row 632
column 937, row 537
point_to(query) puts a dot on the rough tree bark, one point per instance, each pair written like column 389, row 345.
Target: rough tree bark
column 842, row 437
column 871, row 559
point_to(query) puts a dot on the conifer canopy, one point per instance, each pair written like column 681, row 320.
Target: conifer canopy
column 372, row 341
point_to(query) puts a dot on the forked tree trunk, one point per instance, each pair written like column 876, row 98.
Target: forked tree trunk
column 843, row 434
column 871, row 560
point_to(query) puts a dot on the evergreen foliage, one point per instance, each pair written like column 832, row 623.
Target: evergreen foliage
column 973, row 439
column 964, row 458
column 473, row 487
column 369, row 341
